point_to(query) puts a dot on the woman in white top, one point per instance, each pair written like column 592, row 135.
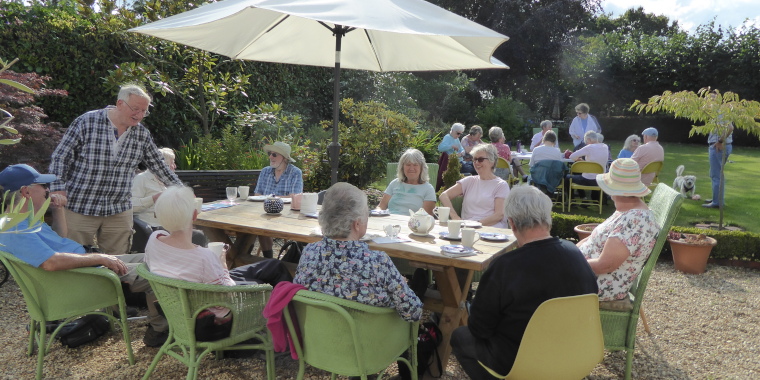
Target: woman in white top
column 411, row 189
column 547, row 150
column 484, row 193
column 146, row 189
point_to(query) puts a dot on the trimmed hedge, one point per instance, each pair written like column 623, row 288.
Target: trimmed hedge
column 732, row 245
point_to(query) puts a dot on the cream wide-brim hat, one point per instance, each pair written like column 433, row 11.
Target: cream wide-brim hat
column 623, row 179
column 281, row 148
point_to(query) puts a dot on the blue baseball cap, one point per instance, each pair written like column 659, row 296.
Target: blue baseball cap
column 650, row 132
column 17, row 176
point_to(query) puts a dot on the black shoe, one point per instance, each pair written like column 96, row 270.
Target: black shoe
column 154, row 338
column 711, row 205
column 708, row 200
column 131, row 312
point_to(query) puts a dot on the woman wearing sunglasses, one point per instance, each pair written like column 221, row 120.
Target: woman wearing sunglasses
column 483, row 193
column 631, row 143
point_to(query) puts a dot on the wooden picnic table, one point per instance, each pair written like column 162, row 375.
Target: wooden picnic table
column 453, row 275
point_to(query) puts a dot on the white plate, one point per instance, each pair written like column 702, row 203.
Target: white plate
column 311, row 214
column 445, row 235
column 286, row 200
column 379, row 212
column 457, row 250
column 257, row 198
column 492, row 236
column 471, row 224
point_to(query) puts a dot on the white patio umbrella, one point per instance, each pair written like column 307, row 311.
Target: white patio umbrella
column 377, row 35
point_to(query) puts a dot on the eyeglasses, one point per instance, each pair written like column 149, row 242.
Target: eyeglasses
column 272, row 154
column 480, row 159
column 458, row 133
column 145, row 113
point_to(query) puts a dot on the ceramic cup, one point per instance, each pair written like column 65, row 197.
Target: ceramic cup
column 443, row 214
column 243, row 191
column 220, row 250
column 392, row 230
column 469, row 237
column 295, row 203
column 309, row 203
column 454, row 227
column 198, row 204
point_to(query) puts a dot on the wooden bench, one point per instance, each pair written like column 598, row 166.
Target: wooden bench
column 211, row 184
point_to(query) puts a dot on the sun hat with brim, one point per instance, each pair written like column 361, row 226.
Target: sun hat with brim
column 17, row 176
column 623, row 179
column 281, row 148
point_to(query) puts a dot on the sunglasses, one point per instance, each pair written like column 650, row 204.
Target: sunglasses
column 272, row 154
column 45, row 186
column 480, row 159
column 458, row 133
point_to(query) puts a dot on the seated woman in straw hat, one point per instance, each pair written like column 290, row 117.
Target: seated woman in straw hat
column 619, row 247
column 279, row 178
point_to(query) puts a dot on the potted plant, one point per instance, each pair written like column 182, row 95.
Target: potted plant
column 584, row 230
column 690, row 251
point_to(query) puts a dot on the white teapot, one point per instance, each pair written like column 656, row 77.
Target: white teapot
column 420, row 222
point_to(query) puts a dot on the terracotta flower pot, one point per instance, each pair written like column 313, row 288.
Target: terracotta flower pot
column 691, row 257
column 584, row 230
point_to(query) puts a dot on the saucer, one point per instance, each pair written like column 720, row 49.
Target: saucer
column 257, row 198
column 273, row 213
column 491, row 236
column 471, row 224
column 458, row 250
column 445, row 235
column 379, row 213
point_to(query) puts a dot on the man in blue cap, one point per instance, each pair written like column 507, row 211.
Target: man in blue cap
column 650, row 151
column 51, row 250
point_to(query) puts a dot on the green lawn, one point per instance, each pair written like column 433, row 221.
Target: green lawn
column 742, row 183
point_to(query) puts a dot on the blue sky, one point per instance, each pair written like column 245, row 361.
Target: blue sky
column 692, row 13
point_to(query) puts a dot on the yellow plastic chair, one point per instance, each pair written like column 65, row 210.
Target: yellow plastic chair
column 501, row 163
column 182, row 301
column 620, row 326
column 653, row 167
column 579, row 168
column 563, row 340
column 67, row 295
column 349, row 338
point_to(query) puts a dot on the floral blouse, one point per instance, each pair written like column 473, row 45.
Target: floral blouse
column 638, row 230
column 350, row 270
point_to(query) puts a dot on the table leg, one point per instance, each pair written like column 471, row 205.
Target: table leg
column 453, row 285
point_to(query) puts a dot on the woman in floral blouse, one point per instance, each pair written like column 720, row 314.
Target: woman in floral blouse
column 343, row 266
column 618, row 249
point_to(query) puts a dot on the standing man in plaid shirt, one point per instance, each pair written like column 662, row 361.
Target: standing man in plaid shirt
column 95, row 163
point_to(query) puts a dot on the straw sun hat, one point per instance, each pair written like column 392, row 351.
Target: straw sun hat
column 281, row 148
column 623, row 179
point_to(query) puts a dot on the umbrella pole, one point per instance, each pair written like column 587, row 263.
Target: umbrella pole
column 334, row 148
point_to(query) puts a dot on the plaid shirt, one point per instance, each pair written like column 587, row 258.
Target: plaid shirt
column 96, row 171
column 291, row 182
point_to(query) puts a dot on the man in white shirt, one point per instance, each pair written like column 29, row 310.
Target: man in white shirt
column 650, row 151
column 593, row 151
column 546, row 125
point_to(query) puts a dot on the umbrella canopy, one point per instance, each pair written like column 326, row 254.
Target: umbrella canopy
column 376, row 35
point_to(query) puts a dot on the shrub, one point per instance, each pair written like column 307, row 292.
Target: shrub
column 370, row 136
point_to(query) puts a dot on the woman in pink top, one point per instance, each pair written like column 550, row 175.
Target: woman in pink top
column 484, row 193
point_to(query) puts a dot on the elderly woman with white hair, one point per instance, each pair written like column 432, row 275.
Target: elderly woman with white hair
column 593, row 151
column 146, row 189
column 451, row 145
column 343, row 266
column 411, row 189
column 484, row 193
column 630, row 145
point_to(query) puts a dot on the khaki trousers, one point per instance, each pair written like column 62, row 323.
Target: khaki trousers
column 114, row 232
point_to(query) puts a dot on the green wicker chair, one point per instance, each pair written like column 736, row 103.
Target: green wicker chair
column 620, row 326
column 67, row 295
column 182, row 301
column 349, row 338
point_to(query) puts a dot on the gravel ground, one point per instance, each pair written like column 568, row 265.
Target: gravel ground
column 703, row 327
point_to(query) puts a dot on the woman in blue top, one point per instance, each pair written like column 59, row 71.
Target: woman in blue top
column 411, row 190
column 631, row 143
column 451, row 145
